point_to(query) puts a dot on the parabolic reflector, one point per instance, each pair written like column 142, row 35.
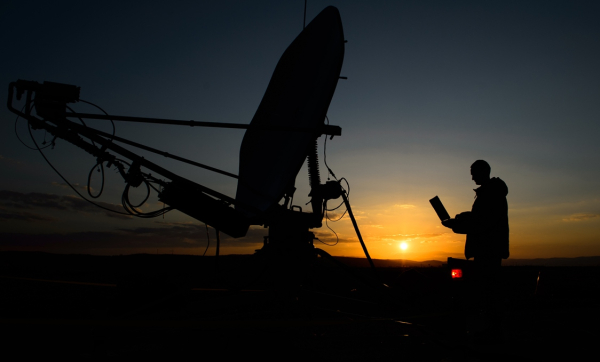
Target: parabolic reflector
column 298, row 95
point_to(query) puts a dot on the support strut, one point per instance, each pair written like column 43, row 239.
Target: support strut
column 362, row 243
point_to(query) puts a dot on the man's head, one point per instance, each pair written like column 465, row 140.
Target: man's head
column 480, row 172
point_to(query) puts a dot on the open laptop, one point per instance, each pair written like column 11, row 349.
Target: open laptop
column 439, row 208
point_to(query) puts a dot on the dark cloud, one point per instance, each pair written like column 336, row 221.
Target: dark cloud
column 334, row 215
column 16, row 205
column 330, row 238
column 433, row 235
column 23, row 216
column 33, row 199
column 117, row 216
column 9, row 160
column 170, row 223
column 160, row 234
column 72, row 203
column 581, row 217
column 75, row 184
column 168, row 236
column 176, row 231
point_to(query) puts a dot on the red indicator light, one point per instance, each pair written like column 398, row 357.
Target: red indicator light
column 456, row 273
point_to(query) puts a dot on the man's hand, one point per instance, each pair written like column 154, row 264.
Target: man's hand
column 449, row 223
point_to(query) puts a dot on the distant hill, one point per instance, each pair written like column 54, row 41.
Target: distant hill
column 32, row 256
column 395, row 263
column 388, row 263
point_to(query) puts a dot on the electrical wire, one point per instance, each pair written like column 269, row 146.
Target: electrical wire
column 327, row 210
column 66, row 181
column 131, row 209
column 82, row 122
column 103, row 111
column 89, row 181
column 19, row 138
column 347, row 194
column 330, row 172
column 126, row 202
column 336, row 235
column 154, row 188
column 338, row 219
column 101, row 169
column 144, row 200
column 325, row 155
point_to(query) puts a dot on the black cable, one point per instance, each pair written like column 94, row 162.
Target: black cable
column 347, row 184
column 340, row 218
column 327, row 219
column 131, row 208
column 335, row 208
column 83, row 123
column 207, row 239
column 147, row 215
column 89, row 182
column 67, row 182
column 336, row 235
column 126, row 193
column 325, row 155
column 103, row 111
column 52, row 142
column 151, row 179
column 123, row 161
column 347, row 194
column 330, row 171
column 19, row 138
column 154, row 188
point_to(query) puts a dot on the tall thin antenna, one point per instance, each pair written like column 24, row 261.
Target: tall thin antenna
column 304, row 24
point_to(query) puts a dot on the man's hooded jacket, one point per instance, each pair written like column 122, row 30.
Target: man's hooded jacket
column 486, row 225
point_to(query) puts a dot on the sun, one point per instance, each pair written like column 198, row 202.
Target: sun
column 403, row 246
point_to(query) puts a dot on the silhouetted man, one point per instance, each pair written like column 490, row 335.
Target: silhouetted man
column 486, row 226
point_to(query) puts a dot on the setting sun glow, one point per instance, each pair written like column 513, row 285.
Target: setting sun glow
column 403, row 246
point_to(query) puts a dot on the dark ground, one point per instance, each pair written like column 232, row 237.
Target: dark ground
column 170, row 306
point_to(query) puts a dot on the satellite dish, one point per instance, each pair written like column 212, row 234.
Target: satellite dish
column 298, row 95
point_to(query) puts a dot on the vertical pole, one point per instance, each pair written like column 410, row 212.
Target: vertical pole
column 362, row 243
